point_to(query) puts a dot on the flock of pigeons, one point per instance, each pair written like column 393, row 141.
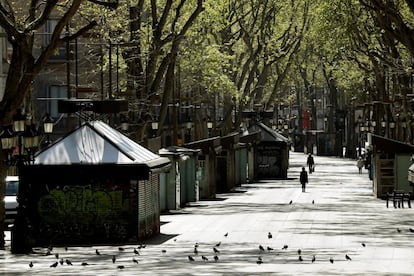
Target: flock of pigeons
column 66, row 261
column 262, row 249
column 191, row 258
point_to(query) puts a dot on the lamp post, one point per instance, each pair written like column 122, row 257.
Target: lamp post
column 392, row 128
column 383, row 126
column 372, row 126
column 20, row 141
column 24, row 137
column 360, row 129
column 154, row 127
column 361, row 133
column 188, row 126
column 48, row 125
column 124, row 123
column 209, row 126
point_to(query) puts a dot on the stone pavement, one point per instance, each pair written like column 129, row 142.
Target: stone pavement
column 335, row 217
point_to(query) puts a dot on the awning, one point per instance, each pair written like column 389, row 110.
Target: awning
column 390, row 145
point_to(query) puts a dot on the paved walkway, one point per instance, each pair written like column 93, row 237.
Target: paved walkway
column 335, row 217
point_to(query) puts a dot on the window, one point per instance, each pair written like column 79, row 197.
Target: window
column 60, row 52
column 55, row 93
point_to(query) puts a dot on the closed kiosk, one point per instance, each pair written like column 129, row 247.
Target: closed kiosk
column 93, row 186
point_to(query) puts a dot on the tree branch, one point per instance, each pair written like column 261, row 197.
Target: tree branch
column 80, row 32
column 35, row 24
column 112, row 4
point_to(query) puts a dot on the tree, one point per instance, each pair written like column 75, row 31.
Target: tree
column 20, row 21
column 150, row 50
column 395, row 18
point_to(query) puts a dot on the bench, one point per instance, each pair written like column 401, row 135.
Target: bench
column 398, row 198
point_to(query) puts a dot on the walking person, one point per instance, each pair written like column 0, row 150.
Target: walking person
column 360, row 164
column 303, row 178
column 311, row 163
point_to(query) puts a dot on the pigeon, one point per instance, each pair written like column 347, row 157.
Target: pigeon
column 216, row 258
column 269, row 235
column 97, row 252
column 68, row 262
column 61, row 261
column 313, row 258
column 313, row 201
column 259, row 260
column 299, row 251
column 226, row 234
column 66, row 248
column 411, row 230
column 218, row 244
column 269, row 248
column 347, row 257
column 195, row 250
column 204, row 258
column 191, row 259
column 285, row 247
column 31, row 264
column 363, row 244
column 134, row 260
column 120, row 267
column 331, row 260
column 216, row 250
column 113, row 259
column 398, row 230
column 290, row 202
column 84, row 264
column 163, row 251
column 54, row 264
column 300, row 258
column 57, row 255
column 261, row 248
column 136, row 251
column 121, row 249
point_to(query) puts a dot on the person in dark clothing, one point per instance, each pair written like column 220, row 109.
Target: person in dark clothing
column 303, row 178
column 311, row 163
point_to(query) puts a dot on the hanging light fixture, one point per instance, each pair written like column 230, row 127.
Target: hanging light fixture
column 19, row 121
column 48, row 124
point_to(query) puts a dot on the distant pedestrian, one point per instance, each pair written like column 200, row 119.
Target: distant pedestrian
column 303, row 178
column 311, row 163
column 360, row 164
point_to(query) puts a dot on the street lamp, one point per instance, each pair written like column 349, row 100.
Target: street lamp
column 188, row 126
column 48, row 124
column 23, row 135
column 124, row 123
column 7, row 138
column 373, row 125
column 154, row 126
column 383, row 126
column 209, row 127
column 392, row 127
